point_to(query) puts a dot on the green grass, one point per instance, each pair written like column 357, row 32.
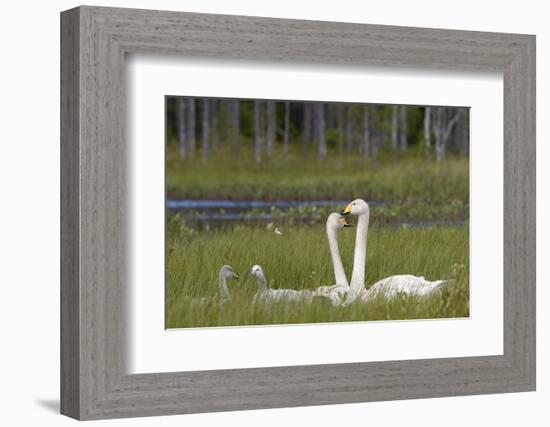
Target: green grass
column 300, row 260
column 403, row 177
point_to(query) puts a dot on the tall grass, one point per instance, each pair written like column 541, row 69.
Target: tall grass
column 300, row 260
column 409, row 179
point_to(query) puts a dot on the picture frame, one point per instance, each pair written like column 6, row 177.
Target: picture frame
column 94, row 268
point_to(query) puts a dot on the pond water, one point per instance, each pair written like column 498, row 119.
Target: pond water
column 202, row 213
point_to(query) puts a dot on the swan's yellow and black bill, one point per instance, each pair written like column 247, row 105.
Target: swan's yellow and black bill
column 347, row 210
column 345, row 222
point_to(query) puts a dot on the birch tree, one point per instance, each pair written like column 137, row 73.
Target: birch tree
column 214, row 108
column 191, row 126
column 205, row 115
column 443, row 131
column 257, row 131
column 403, row 128
column 394, row 127
column 320, row 130
column 306, row 127
column 286, row 135
column 464, row 131
column 349, row 128
column 427, row 129
column 340, row 130
column 270, row 126
column 235, row 124
column 365, row 134
column 181, row 127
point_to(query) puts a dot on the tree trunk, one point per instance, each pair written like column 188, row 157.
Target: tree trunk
column 365, row 135
column 205, row 128
column 374, row 132
column 394, row 127
column 214, row 122
column 287, row 127
column 270, row 126
column 191, row 126
column 257, row 131
column 340, row 130
column 180, row 123
column 320, row 124
column 464, row 131
column 449, row 128
column 349, row 129
column 404, row 128
column 439, row 144
column 235, row 124
column 306, row 127
column 427, row 129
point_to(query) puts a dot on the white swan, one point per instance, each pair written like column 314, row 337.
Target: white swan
column 337, row 292
column 225, row 273
column 265, row 294
column 390, row 286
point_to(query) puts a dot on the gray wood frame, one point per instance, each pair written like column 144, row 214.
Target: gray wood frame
column 94, row 382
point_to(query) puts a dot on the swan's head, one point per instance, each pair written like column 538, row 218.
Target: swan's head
column 357, row 207
column 227, row 272
column 257, row 271
column 336, row 221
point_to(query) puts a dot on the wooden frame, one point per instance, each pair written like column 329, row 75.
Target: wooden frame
column 94, row 383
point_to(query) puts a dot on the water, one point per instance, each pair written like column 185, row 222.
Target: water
column 213, row 213
column 202, row 213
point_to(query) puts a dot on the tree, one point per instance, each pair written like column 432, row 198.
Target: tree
column 180, row 123
column 349, row 128
column 191, row 126
column 257, row 131
column 205, row 128
column 394, row 127
column 375, row 131
column 235, row 124
column 404, row 128
column 365, row 134
column 214, row 122
column 320, row 129
column 340, row 130
column 464, row 131
column 427, row 129
column 286, row 136
column 270, row 126
column 443, row 127
column 306, row 127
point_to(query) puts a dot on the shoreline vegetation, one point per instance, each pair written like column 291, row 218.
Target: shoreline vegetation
column 411, row 163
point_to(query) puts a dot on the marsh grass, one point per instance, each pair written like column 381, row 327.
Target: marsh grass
column 412, row 179
column 300, row 260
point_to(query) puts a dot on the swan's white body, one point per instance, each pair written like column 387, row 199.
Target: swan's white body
column 402, row 284
column 267, row 295
column 388, row 287
column 226, row 272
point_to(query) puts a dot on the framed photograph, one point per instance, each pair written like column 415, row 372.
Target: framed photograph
column 262, row 213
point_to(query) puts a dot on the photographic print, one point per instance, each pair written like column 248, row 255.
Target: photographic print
column 296, row 212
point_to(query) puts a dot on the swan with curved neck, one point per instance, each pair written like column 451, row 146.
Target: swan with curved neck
column 335, row 222
column 390, row 286
column 360, row 208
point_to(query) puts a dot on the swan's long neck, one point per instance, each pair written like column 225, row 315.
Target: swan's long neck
column 262, row 282
column 339, row 273
column 224, row 291
column 360, row 254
